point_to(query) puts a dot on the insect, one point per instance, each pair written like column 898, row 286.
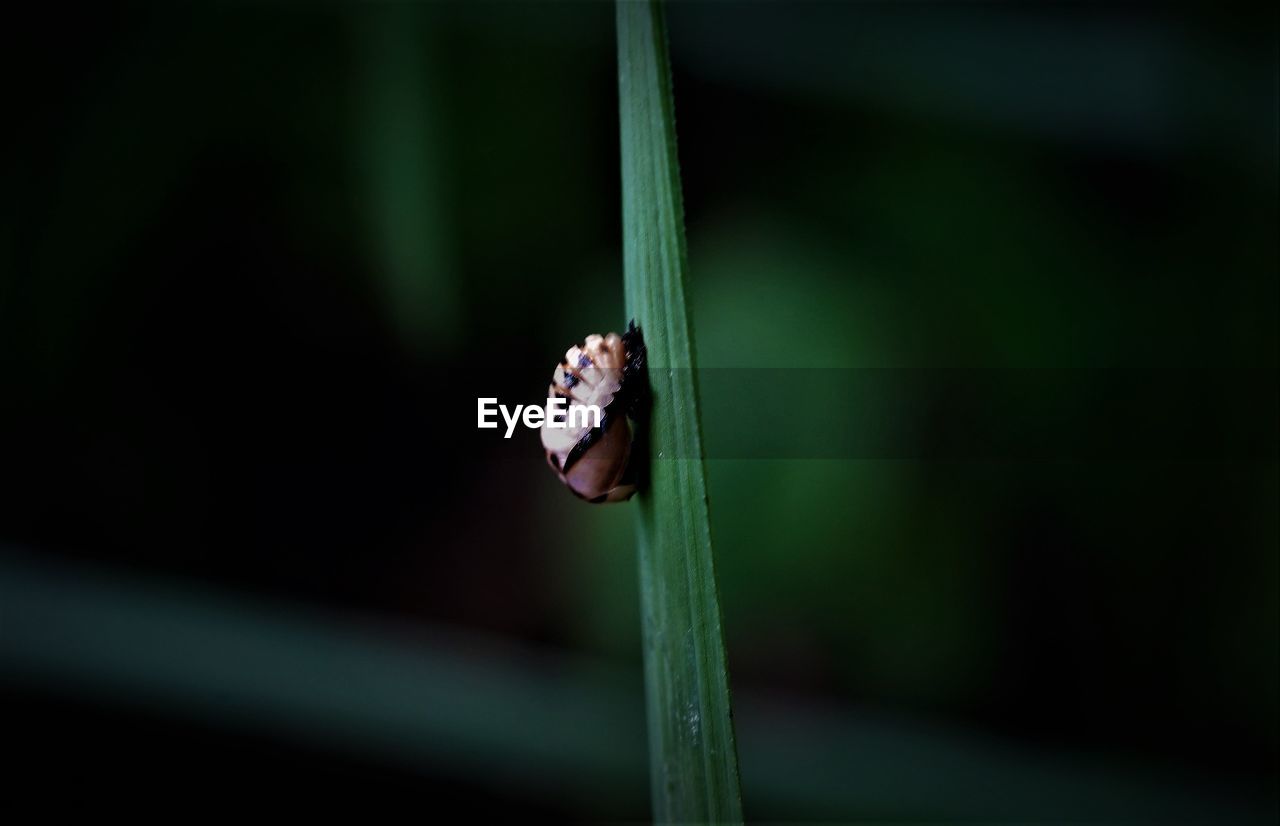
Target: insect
column 607, row 371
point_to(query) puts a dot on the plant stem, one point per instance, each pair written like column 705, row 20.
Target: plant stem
column 693, row 759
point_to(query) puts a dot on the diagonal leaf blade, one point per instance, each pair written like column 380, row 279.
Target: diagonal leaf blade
column 693, row 759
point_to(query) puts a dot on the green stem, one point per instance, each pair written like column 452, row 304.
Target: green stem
column 693, row 759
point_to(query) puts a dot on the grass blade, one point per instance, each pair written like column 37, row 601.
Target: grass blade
column 693, row 759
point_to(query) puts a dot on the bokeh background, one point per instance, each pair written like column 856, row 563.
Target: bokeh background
column 259, row 259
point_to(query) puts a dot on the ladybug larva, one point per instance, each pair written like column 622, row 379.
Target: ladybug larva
column 594, row 462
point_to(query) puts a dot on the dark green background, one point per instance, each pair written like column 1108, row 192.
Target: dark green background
column 258, row 258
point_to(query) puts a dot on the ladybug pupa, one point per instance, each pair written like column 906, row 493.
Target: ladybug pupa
column 609, row 372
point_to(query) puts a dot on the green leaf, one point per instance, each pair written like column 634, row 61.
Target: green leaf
column 693, row 759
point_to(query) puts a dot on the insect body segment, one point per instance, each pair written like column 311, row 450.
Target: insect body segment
column 606, row 371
